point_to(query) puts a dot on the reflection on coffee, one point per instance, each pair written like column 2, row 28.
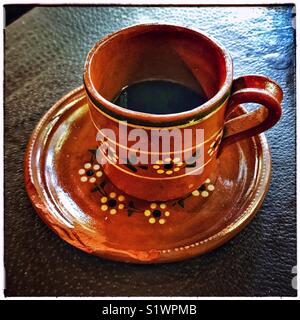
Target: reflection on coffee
column 159, row 97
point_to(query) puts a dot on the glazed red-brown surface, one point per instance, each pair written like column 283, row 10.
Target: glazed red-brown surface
column 81, row 211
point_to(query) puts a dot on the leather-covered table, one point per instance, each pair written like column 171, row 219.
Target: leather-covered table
column 45, row 52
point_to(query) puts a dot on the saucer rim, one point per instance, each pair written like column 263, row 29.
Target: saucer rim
column 155, row 255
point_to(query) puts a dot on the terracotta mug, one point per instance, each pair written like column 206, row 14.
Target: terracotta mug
column 189, row 57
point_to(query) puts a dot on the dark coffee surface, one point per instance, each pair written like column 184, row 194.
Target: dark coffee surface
column 159, row 97
column 44, row 57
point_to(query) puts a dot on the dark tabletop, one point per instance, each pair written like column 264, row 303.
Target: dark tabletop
column 45, row 52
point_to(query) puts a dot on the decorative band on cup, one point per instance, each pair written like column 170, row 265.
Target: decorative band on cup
column 177, row 152
column 138, row 123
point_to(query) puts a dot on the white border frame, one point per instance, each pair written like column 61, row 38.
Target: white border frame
column 140, row 2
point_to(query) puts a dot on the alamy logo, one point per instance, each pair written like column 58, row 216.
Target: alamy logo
column 140, row 147
column 294, row 280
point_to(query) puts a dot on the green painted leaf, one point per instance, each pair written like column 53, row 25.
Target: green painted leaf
column 131, row 204
column 181, row 203
column 103, row 184
column 131, row 167
column 93, row 151
column 96, row 188
column 191, row 165
column 143, row 167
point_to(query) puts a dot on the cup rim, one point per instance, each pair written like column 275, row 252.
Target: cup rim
column 137, row 117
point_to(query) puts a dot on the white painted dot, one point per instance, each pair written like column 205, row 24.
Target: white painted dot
column 204, row 194
column 87, row 165
column 207, row 180
column 163, row 205
column 93, row 179
column 210, row 187
column 96, row 167
column 84, row 179
column 81, row 171
column 196, row 193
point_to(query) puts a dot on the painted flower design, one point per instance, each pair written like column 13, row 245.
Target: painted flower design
column 168, row 166
column 204, row 189
column 112, row 202
column 90, row 172
column 214, row 145
column 157, row 212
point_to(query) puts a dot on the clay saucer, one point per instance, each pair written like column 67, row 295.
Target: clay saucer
column 72, row 195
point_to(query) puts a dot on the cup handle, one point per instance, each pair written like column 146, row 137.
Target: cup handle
column 252, row 89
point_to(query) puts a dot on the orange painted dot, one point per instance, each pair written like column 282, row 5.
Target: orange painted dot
column 153, row 205
column 99, row 173
column 152, row 220
column 104, row 199
column 113, row 211
column 147, row 213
